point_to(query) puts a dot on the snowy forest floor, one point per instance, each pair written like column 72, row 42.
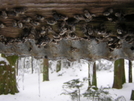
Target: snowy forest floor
column 32, row 88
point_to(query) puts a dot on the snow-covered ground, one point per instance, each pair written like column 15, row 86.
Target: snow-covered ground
column 31, row 87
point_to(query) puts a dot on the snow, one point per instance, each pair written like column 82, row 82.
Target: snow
column 4, row 59
column 33, row 89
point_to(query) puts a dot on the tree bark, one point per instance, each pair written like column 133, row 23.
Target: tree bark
column 119, row 77
column 8, row 83
column 130, row 72
column 94, row 81
column 32, row 70
column 46, row 70
column 132, row 95
column 58, row 66
column 89, row 78
column 123, row 72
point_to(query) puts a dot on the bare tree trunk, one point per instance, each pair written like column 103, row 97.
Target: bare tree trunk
column 58, row 66
column 89, row 78
column 8, row 83
column 130, row 72
column 132, row 95
column 94, row 81
column 123, row 72
column 46, row 70
column 118, row 74
column 32, row 70
column 16, row 67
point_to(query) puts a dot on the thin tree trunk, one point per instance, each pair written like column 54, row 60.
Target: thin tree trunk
column 32, row 70
column 58, row 66
column 130, row 72
column 123, row 72
column 16, row 67
column 118, row 73
column 94, row 81
column 89, row 78
column 46, row 70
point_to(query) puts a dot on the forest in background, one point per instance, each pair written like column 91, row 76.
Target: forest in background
column 10, row 65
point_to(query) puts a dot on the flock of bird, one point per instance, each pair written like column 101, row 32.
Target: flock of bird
column 43, row 31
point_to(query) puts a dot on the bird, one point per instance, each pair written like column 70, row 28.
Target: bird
column 118, row 14
column 72, row 35
column 71, row 29
column 55, row 42
column 44, row 40
column 31, row 36
column 57, row 39
column 79, row 17
column 4, row 14
column 27, row 19
column 84, row 28
column 2, row 25
column 51, row 21
column 43, row 31
column 19, row 10
column 40, row 17
column 111, row 47
column 64, row 36
column 64, row 18
column 63, row 30
column 119, row 31
column 129, row 38
column 87, row 14
column 110, row 39
column 17, row 24
column 99, row 39
column 109, row 18
column 108, row 12
column 73, row 49
column 58, row 16
column 90, row 31
column 20, row 25
column 56, row 35
column 35, row 22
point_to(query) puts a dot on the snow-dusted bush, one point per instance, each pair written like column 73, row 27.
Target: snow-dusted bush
column 120, row 98
column 73, row 88
column 97, row 94
column 103, row 64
